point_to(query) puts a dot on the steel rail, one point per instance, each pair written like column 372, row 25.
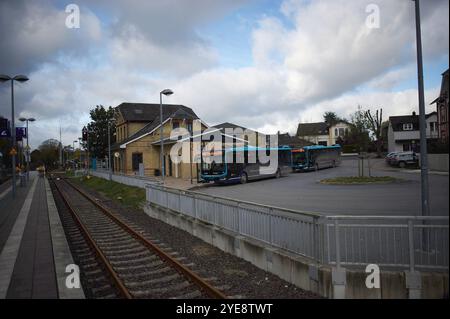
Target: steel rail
column 117, row 281
column 186, row 272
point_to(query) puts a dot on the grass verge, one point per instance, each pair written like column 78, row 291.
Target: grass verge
column 349, row 180
column 127, row 195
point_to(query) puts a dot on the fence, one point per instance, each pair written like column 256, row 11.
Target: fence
column 137, row 181
column 398, row 242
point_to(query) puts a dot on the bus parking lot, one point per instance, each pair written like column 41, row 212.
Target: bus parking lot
column 303, row 191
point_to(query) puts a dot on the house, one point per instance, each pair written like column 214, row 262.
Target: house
column 442, row 109
column 292, row 141
column 404, row 132
column 317, row 133
column 240, row 135
column 137, row 147
column 321, row 133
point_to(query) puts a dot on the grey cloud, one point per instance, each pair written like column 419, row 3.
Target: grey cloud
column 34, row 32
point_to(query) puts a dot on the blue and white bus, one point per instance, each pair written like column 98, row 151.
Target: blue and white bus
column 316, row 157
column 221, row 169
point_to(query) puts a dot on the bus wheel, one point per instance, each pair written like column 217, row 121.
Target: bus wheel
column 244, row 178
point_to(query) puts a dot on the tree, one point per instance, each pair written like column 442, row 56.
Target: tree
column 49, row 153
column 359, row 133
column 374, row 123
column 331, row 118
column 98, row 131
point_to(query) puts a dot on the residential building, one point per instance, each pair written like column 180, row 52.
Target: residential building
column 137, row 147
column 404, row 132
column 239, row 135
column 321, row 133
column 317, row 133
column 442, row 108
column 292, row 141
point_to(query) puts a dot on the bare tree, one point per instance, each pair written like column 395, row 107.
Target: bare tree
column 374, row 122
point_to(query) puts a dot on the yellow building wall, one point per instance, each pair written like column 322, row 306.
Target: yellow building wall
column 151, row 155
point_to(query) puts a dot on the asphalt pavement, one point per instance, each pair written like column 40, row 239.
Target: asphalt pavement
column 303, row 191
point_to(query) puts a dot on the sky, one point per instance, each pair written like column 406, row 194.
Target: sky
column 262, row 64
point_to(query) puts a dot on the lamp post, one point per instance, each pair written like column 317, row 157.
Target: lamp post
column 18, row 78
column 422, row 120
column 165, row 92
column 23, row 119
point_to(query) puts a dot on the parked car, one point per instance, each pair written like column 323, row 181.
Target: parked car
column 404, row 159
column 389, row 157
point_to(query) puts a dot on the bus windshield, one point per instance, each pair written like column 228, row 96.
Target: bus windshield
column 212, row 164
column 298, row 157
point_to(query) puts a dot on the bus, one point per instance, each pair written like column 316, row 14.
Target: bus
column 316, row 157
column 218, row 170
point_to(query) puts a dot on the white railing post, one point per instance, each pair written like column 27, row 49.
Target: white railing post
column 411, row 245
column 337, row 244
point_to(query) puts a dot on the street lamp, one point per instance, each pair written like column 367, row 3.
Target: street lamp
column 18, row 78
column 165, row 92
column 23, row 119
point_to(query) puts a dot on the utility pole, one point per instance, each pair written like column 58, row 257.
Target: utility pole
column 422, row 119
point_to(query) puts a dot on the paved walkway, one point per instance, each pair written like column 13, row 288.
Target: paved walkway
column 29, row 234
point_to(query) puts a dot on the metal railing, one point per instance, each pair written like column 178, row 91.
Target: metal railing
column 403, row 242
column 391, row 241
column 283, row 228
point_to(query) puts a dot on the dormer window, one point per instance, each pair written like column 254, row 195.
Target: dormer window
column 407, row 127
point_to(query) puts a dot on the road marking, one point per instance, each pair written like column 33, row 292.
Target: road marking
column 10, row 251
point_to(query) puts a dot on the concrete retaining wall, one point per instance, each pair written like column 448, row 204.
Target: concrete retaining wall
column 438, row 162
column 123, row 179
column 301, row 271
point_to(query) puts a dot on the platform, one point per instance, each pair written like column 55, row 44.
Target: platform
column 33, row 249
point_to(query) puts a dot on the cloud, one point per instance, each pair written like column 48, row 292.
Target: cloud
column 317, row 56
column 34, row 33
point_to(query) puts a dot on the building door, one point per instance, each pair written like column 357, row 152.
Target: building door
column 170, row 166
column 136, row 159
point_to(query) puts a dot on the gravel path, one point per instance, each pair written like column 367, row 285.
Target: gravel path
column 234, row 276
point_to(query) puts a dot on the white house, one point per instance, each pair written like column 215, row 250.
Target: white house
column 404, row 132
column 321, row 134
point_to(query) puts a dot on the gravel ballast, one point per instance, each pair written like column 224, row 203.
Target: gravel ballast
column 234, row 276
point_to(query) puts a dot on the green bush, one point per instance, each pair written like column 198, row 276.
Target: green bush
column 350, row 148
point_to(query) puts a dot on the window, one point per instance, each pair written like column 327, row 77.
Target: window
column 175, row 125
column 432, row 126
column 341, row 132
column 406, row 147
column 189, row 127
column 336, row 132
column 407, row 127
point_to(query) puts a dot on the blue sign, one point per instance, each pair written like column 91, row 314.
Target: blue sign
column 21, row 132
column 4, row 132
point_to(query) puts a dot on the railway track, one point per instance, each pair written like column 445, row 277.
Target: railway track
column 136, row 267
